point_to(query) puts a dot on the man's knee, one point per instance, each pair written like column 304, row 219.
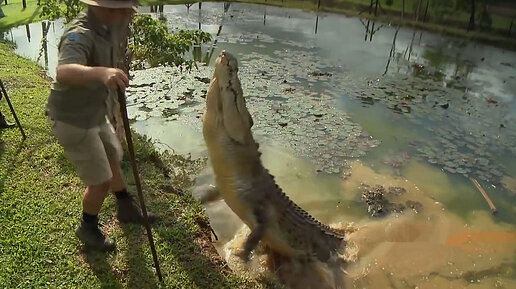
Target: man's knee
column 102, row 188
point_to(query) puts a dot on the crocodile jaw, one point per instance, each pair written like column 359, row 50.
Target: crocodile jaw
column 227, row 134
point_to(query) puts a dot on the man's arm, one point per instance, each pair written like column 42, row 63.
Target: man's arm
column 77, row 74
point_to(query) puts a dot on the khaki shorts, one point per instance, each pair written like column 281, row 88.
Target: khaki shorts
column 89, row 150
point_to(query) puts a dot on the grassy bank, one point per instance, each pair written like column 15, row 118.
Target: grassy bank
column 15, row 15
column 40, row 206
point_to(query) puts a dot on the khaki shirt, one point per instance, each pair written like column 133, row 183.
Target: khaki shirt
column 86, row 41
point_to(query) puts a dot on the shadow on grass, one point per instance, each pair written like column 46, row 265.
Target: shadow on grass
column 139, row 274
column 11, row 162
column 190, row 250
column 101, row 268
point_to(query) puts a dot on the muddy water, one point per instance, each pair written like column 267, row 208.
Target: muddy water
column 333, row 112
column 431, row 247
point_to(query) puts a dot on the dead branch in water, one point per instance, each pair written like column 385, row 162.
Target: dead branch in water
column 485, row 195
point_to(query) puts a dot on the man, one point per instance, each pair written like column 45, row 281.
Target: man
column 78, row 109
column 4, row 123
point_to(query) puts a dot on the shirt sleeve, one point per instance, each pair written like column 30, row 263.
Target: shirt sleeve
column 75, row 47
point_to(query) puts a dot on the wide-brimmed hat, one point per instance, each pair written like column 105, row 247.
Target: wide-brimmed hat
column 116, row 4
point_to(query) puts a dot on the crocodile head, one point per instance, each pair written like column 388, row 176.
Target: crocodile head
column 225, row 103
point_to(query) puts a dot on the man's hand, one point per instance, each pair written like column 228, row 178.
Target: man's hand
column 114, row 78
column 77, row 74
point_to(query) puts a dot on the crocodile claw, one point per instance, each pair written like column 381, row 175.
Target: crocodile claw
column 243, row 254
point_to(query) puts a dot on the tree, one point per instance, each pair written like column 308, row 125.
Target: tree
column 471, row 25
column 153, row 44
column 55, row 9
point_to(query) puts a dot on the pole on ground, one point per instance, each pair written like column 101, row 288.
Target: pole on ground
column 123, row 109
column 24, row 4
column 510, row 27
column 4, row 92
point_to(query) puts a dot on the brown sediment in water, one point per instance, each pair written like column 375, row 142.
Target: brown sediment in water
column 430, row 249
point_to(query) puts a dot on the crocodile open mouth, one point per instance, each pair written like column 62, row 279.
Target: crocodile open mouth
column 229, row 103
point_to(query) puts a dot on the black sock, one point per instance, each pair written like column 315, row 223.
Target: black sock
column 122, row 194
column 90, row 219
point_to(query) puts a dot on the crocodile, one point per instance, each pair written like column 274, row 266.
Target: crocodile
column 246, row 185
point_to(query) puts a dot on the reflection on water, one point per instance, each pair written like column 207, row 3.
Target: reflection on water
column 436, row 91
column 38, row 41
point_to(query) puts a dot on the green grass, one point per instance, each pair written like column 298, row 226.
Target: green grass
column 15, row 14
column 40, row 207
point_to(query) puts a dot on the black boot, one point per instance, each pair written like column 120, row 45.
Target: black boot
column 127, row 211
column 4, row 123
column 92, row 237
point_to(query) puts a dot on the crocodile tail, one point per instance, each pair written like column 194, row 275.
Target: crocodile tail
column 299, row 213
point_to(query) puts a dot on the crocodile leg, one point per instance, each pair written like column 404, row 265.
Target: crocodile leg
column 256, row 234
column 207, row 194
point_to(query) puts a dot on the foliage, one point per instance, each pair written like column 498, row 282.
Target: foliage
column 152, row 43
column 55, row 9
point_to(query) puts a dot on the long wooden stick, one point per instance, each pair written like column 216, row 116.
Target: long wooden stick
column 123, row 109
column 485, row 195
column 12, row 109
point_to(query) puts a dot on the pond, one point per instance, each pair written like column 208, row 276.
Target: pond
column 340, row 104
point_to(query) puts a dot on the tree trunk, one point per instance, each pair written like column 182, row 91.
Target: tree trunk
column 418, row 9
column 426, row 10
column 403, row 9
column 471, row 25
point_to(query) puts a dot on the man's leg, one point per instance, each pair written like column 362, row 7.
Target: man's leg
column 88, row 231
column 86, row 152
column 94, row 198
column 117, row 182
column 127, row 211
